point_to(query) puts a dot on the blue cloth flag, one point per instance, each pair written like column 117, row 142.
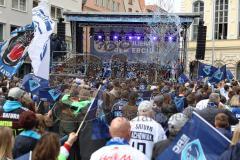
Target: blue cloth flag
column 182, row 79
column 96, row 115
column 33, row 84
column 219, row 75
column 205, row 70
column 14, row 50
column 230, row 75
column 50, row 94
column 197, row 140
column 131, row 75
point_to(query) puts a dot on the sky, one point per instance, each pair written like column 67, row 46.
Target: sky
column 176, row 3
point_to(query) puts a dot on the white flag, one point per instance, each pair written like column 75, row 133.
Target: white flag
column 39, row 49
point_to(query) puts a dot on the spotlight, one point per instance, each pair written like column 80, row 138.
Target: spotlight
column 170, row 38
column 115, row 37
column 130, row 37
column 154, row 38
column 138, row 37
column 100, row 37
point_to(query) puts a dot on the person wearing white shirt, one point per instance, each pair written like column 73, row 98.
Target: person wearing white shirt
column 145, row 130
column 118, row 147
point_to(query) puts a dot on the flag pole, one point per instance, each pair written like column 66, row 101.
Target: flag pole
column 89, row 108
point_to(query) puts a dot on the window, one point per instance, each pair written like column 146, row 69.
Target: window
column 221, row 19
column 2, row 2
column 56, row 12
column 113, row 5
column 118, row 7
column 1, row 32
column 198, row 7
column 19, row 5
column 35, row 4
column 130, row 2
column 129, row 9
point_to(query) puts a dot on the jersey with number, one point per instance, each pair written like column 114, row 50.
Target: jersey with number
column 145, row 132
column 118, row 152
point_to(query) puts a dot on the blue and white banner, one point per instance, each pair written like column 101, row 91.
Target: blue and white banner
column 50, row 94
column 39, row 49
column 219, row 75
column 182, row 79
column 14, row 50
column 33, row 84
column 205, row 70
column 197, row 140
column 230, row 75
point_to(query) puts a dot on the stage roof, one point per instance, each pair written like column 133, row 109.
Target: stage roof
column 91, row 18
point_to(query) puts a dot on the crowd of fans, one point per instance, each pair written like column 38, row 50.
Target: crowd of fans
column 140, row 129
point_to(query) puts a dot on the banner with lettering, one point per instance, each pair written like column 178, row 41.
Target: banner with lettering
column 197, row 140
column 137, row 47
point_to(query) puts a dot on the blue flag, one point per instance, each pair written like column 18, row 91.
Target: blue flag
column 197, row 140
column 182, row 79
column 205, row 70
column 14, row 50
column 97, row 116
column 33, row 84
column 50, row 94
column 219, row 75
column 230, row 75
column 131, row 75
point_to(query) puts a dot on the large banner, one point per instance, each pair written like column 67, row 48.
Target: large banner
column 14, row 50
column 197, row 140
column 39, row 50
column 145, row 51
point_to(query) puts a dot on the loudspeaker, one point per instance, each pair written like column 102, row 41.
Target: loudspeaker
column 61, row 29
column 201, row 41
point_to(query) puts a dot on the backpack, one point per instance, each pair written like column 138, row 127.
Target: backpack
column 179, row 103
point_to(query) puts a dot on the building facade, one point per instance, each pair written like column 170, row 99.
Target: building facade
column 222, row 18
column 103, row 6
column 15, row 13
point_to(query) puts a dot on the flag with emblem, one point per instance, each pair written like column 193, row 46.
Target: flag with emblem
column 14, row 51
column 219, row 75
column 205, row 70
column 182, row 79
column 50, row 94
column 230, row 75
column 191, row 142
column 33, row 84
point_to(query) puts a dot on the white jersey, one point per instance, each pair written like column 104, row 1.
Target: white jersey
column 118, row 152
column 145, row 132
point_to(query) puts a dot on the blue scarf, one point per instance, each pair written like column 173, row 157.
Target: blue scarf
column 117, row 141
column 31, row 134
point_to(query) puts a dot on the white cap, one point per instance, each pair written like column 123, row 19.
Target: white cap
column 187, row 85
column 15, row 93
column 177, row 121
column 153, row 88
column 145, row 106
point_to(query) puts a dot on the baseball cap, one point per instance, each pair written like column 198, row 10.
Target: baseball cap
column 177, row 121
column 16, row 92
column 145, row 106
